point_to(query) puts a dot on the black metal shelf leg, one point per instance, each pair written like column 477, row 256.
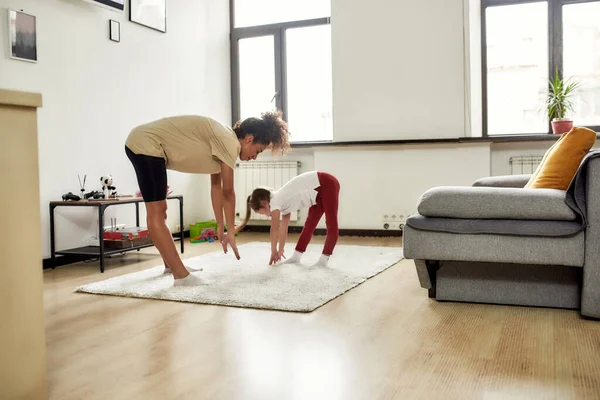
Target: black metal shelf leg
column 52, row 238
column 137, row 216
column 101, row 235
column 181, row 223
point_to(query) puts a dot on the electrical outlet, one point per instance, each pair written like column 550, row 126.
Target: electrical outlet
column 390, row 225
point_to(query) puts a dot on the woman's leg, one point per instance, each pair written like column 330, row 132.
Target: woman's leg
column 163, row 240
column 152, row 179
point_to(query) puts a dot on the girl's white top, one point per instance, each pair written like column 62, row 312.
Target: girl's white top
column 296, row 194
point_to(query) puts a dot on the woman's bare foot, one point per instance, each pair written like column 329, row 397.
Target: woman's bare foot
column 190, row 280
column 190, row 269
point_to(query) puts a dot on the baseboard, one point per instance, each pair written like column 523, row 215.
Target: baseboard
column 322, row 232
column 66, row 260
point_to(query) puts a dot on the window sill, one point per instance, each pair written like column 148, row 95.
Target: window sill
column 545, row 137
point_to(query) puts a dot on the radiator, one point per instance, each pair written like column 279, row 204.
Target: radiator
column 252, row 174
column 524, row 164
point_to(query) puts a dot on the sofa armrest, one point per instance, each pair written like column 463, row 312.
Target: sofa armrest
column 495, row 203
column 590, row 291
column 512, row 181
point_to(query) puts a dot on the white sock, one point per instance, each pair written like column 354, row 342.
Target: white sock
column 295, row 258
column 322, row 261
column 190, row 280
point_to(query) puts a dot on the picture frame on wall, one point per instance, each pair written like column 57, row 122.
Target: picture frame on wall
column 22, row 36
column 149, row 13
column 114, row 28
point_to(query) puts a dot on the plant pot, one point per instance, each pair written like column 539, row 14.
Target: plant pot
column 562, row 125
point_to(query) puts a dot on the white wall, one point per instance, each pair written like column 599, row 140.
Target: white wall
column 378, row 181
column 398, row 69
column 95, row 91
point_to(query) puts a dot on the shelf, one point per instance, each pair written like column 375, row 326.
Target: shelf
column 95, row 250
column 106, row 202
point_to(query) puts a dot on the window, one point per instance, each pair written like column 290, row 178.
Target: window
column 581, row 42
column 524, row 42
column 281, row 58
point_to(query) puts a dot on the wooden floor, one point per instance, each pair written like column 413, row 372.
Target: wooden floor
column 382, row 340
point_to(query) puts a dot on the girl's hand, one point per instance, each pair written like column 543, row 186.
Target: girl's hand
column 281, row 253
column 274, row 257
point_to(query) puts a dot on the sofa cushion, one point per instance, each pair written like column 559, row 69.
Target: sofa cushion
column 428, row 245
column 514, row 181
column 561, row 161
column 515, row 227
column 495, row 203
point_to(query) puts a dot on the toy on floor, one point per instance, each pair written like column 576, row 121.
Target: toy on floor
column 197, row 229
column 207, row 235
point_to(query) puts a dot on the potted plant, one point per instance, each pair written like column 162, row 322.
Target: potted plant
column 558, row 103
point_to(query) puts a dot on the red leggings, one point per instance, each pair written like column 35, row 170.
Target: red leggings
column 327, row 202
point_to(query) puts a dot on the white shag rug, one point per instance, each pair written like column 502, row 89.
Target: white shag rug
column 251, row 282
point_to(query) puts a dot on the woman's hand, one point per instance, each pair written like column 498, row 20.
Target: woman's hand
column 274, row 257
column 281, row 253
column 229, row 239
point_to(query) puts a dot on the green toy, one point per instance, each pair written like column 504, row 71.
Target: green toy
column 204, row 232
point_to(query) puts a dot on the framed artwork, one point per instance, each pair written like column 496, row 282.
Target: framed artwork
column 150, row 13
column 114, row 28
column 22, row 36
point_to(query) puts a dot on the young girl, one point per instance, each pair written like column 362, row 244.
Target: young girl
column 317, row 190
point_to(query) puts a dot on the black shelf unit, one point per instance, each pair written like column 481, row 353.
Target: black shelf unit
column 101, row 205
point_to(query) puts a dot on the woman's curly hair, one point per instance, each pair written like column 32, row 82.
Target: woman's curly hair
column 270, row 129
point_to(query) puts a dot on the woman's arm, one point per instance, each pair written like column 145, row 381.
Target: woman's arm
column 216, row 195
column 283, row 232
column 228, row 196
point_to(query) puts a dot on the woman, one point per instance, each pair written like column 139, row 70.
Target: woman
column 201, row 145
column 317, row 191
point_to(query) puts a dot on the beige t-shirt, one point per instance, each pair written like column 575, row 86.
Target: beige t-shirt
column 188, row 143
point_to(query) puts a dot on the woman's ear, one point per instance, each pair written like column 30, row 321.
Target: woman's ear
column 249, row 138
column 264, row 204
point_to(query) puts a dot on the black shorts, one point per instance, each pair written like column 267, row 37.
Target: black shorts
column 151, row 175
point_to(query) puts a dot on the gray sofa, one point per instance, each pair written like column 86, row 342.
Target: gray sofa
column 496, row 242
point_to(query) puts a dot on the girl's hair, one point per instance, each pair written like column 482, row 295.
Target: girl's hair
column 269, row 129
column 254, row 203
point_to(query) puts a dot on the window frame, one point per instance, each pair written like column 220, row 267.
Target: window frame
column 278, row 31
column 555, row 51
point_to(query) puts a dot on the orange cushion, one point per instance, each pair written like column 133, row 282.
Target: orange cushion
column 561, row 161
